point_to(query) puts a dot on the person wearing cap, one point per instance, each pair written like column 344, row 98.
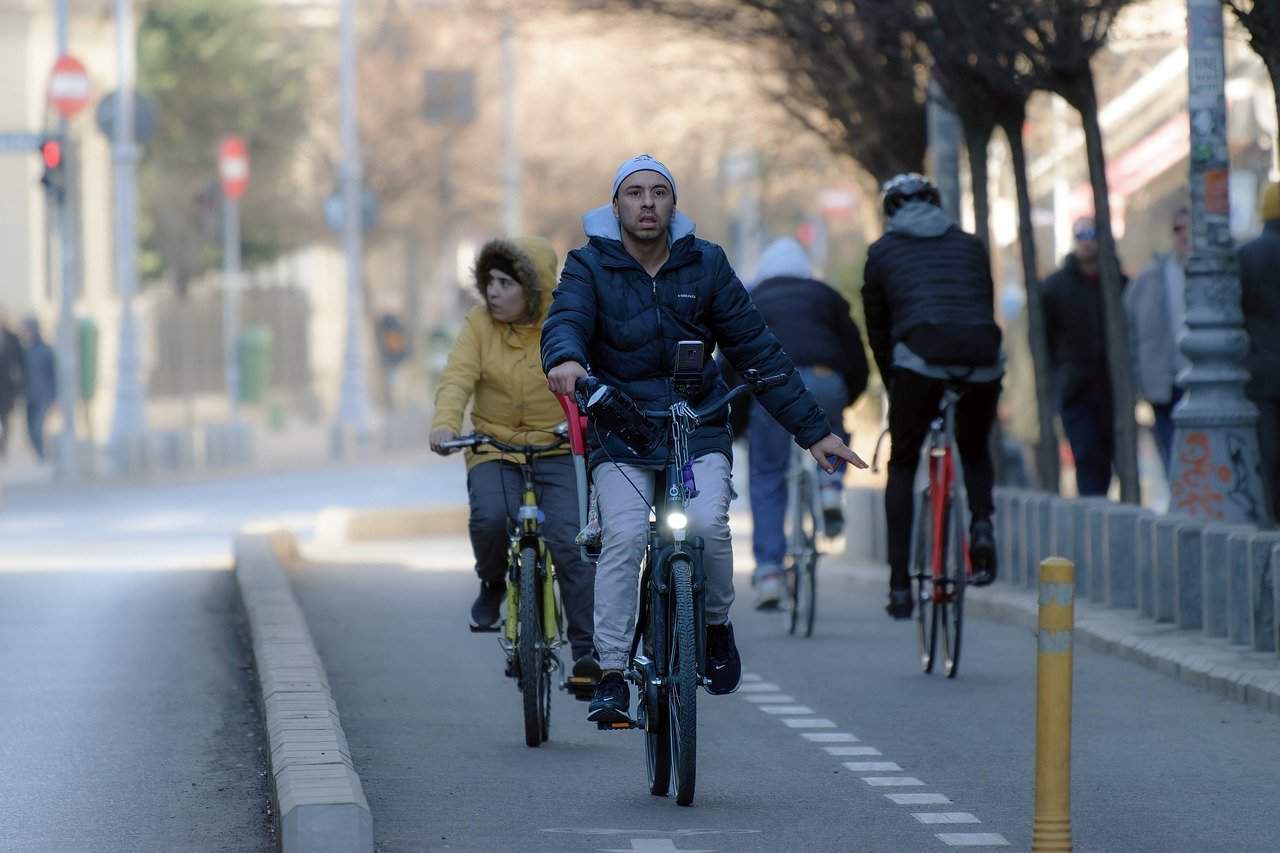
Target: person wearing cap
column 1260, row 301
column 643, row 282
column 494, row 365
column 1078, row 358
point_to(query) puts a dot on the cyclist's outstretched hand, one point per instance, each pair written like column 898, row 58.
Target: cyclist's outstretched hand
column 441, row 435
column 564, row 376
column 830, row 446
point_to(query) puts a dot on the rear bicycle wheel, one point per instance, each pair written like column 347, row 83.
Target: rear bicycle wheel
column 535, row 677
column 955, row 578
column 922, row 583
column 683, row 680
column 804, row 559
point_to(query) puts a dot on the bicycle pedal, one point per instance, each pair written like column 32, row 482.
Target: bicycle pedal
column 616, row 727
column 481, row 629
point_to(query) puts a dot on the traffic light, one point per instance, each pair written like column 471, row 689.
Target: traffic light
column 54, row 178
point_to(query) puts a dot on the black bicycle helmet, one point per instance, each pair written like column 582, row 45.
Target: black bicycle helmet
column 909, row 186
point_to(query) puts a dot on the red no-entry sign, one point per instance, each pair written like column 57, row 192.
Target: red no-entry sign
column 233, row 166
column 69, row 87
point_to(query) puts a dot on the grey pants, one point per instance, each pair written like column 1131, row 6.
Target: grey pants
column 624, row 515
column 494, row 489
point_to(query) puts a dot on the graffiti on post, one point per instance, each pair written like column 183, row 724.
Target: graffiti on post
column 1198, row 490
column 1239, row 493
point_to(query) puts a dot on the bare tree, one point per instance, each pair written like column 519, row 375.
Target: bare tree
column 1055, row 41
column 1261, row 19
column 847, row 70
column 974, row 64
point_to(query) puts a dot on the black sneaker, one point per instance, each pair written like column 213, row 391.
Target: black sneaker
column 585, row 677
column 982, row 552
column 724, row 666
column 901, row 605
column 832, row 512
column 484, row 612
column 611, row 702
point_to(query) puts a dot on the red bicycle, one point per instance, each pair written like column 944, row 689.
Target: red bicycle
column 939, row 561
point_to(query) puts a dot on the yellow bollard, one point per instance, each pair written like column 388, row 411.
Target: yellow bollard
column 1051, row 832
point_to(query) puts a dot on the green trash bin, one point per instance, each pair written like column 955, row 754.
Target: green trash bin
column 255, row 363
column 87, row 349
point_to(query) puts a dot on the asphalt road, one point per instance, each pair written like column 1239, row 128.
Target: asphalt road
column 436, row 735
column 127, row 720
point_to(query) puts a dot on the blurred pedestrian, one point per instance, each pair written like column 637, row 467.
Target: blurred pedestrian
column 1260, row 300
column 812, row 322
column 1078, row 355
column 10, row 376
column 41, row 382
column 495, row 365
column 1156, row 306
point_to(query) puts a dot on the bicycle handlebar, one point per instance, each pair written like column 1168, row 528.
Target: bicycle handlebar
column 753, row 384
column 477, row 439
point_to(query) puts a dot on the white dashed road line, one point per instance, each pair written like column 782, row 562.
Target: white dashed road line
column 768, row 697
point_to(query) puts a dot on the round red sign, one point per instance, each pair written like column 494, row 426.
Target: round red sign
column 233, row 166
column 69, row 87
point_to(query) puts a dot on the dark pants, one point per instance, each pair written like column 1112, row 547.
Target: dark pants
column 36, row 413
column 494, row 489
column 1162, row 429
column 770, row 459
column 1087, row 423
column 1269, row 447
column 913, row 404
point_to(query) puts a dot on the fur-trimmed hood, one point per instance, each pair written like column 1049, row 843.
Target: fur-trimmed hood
column 532, row 259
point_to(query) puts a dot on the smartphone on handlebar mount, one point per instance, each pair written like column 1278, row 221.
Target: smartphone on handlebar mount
column 687, row 376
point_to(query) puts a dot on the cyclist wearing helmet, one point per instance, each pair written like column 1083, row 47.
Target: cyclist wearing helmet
column 928, row 299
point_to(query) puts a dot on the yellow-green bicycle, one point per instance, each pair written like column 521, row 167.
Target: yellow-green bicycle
column 534, row 627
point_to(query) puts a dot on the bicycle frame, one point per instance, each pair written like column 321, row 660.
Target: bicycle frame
column 527, row 533
column 944, row 472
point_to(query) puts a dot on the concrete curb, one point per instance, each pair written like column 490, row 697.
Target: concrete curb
column 318, row 796
column 339, row 525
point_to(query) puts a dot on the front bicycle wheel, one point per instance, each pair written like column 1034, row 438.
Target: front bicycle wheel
column 922, row 582
column 955, row 575
column 804, row 560
column 535, row 675
column 657, row 742
column 682, row 676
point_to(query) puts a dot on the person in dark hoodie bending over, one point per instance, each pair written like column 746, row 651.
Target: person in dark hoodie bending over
column 812, row 322
column 642, row 283
column 928, row 298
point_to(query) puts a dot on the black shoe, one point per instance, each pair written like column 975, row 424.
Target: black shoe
column 585, row 677
column 724, row 666
column 832, row 512
column 611, row 702
column 982, row 552
column 484, row 612
column 901, row 605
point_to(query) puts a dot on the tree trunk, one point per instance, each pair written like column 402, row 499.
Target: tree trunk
column 977, row 136
column 1084, row 99
column 1047, row 472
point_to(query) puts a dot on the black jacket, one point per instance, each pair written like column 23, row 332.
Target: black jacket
column 811, row 321
column 1077, row 334
column 608, row 314
column 928, row 285
column 1260, row 299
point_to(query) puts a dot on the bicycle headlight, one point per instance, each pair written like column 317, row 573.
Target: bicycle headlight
column 677, row 520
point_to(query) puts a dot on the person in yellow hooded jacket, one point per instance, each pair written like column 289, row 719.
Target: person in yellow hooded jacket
column 495, row 365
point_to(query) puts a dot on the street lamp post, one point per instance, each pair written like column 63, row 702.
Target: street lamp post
column 353, row 407
column 1216, row 469
column 67, row 451
column 129, row 420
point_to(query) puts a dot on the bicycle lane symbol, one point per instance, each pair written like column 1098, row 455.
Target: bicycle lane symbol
column 654, row 845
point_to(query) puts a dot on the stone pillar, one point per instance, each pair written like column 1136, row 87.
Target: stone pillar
column 1216, row 465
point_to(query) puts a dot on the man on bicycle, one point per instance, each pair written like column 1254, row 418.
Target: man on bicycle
column 928, row 297
column 811, row 321
column 642, row 283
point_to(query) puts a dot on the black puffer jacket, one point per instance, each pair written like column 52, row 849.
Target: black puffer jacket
column 812, row 322
column 1260, row 299
column 608, row 314
column 1077, row 335
column 927, row 284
